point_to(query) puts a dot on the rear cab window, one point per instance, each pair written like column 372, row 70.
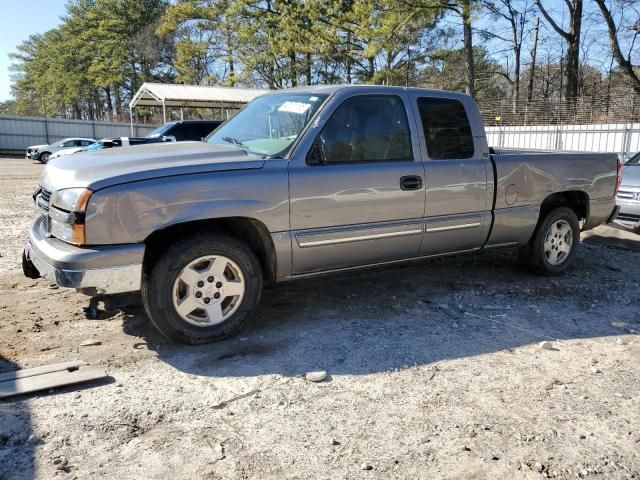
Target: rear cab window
column 447, row 130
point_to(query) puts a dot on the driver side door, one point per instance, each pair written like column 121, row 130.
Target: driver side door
column 363, row 202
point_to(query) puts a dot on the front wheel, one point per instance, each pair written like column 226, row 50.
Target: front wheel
column 44, row 157
column 202, row 289
column 554, row 243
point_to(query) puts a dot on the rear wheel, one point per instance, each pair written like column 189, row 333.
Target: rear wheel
column 554, row 243
column 202, row 289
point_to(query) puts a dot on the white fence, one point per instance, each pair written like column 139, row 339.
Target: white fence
column 621, row 138
column 17, row 133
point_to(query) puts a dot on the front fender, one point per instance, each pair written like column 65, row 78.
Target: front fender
column 130, row 212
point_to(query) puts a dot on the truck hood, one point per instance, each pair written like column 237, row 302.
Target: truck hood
column 105, row 168
column 631, row 176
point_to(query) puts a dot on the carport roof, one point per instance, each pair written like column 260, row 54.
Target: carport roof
column 170, row 95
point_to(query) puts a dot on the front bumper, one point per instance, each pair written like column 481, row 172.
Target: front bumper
column 629, row 215
column 104, row 269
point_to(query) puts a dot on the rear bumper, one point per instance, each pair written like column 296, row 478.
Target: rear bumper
column 602, row 210
column 104, row 269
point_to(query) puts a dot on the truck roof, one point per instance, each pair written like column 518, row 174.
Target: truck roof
column 329, row 89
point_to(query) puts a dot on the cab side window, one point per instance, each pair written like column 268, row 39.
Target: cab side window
column 70, row 143
column 182, row 132
column 367, row 128
column 447, row 131
column 205, row 129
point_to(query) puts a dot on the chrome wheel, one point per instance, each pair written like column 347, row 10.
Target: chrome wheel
column 558, row 242
column 208, row 290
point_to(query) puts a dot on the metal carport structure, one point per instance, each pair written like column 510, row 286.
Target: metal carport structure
column 194, row 96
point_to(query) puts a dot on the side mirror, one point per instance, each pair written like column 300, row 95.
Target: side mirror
column 316, row 155
column 168, row 138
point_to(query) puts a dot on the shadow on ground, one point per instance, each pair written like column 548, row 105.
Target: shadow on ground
column 373, row 321
column 613, row 236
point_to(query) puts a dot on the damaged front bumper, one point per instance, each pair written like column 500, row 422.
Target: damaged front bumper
column 103, row 269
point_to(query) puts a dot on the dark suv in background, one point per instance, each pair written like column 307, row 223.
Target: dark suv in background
column 178, row 131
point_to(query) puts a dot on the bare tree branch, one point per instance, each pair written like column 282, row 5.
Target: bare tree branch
column 551, row 21
column 624, row 63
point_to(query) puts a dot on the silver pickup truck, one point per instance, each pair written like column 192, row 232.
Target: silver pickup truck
column 303, row 182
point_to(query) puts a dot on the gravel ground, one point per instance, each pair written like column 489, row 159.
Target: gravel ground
column 435, row 370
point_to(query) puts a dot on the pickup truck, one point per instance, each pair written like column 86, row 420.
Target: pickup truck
column 304, row 182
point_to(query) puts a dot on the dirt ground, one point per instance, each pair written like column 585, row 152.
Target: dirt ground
column 435, row 371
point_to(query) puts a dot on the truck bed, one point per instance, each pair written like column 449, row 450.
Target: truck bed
column 525, row 180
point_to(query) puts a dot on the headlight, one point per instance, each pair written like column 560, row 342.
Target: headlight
column 67, row 210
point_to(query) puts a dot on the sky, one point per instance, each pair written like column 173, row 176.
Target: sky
column 21, row 18
column 18, row 20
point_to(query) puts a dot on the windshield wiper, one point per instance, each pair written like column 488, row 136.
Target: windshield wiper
column 235, row 141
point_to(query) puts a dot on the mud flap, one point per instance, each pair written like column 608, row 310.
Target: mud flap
column 614, row 214
column 28, row 268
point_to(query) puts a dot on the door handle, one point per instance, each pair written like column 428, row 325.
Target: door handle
column 411, row 182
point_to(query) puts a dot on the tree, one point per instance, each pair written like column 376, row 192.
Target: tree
column 516, row 14
column 445, row 70
column 534, row 54
column 623, row 62
column 572, row 38
column 8, row 107
column 94, row 61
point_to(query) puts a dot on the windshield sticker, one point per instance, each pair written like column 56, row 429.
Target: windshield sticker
column 294, row 107
column 313, row 99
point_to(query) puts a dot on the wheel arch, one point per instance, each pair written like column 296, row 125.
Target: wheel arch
column 245, row 229
column 576, row 200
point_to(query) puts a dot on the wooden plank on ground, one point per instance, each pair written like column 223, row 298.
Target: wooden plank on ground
column 45, row 381
column 30, row 372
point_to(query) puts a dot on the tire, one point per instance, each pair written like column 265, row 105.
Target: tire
column 44, row 157
column 176, row 278
column 553, row 246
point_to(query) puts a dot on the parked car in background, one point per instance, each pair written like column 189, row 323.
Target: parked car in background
column 42, row 153
column 628, row 197
column 33, row 150
column 101, row 144
column 178, row 131
column 304, row 182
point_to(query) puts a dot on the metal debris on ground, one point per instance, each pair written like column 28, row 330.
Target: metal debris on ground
column 47, row 376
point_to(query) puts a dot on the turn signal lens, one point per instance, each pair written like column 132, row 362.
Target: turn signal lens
column 78, row 233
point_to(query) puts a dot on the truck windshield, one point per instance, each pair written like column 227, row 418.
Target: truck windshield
column 270, row 124
column 635, row 161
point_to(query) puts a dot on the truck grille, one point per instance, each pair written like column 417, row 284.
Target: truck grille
column 629, row 195
column 628, row 217
column 42, row 198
